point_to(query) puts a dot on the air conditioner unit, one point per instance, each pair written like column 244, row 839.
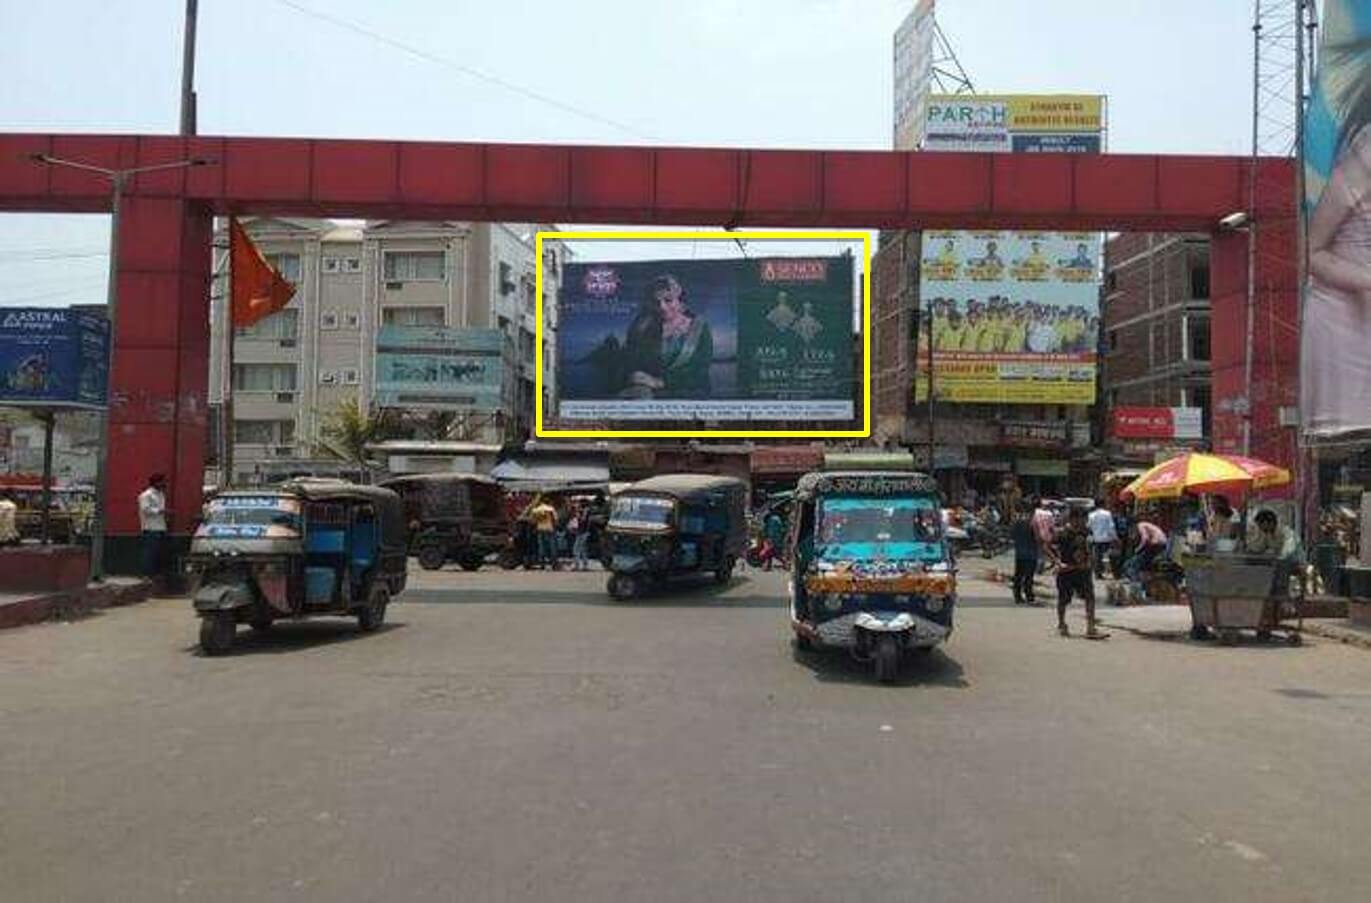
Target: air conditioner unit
column 283, row 451
column 287, row 343
column 394, row 285
column 285, row 398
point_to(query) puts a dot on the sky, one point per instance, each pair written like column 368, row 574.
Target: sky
column 732, row 73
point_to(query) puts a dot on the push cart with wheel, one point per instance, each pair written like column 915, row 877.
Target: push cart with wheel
column 1233, row 594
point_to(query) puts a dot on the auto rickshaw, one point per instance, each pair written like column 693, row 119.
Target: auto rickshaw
column 872, row 571
column 675, row 524
column 304, row 549
column 452, row 517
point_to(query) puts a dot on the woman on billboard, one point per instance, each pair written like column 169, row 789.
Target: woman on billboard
column 1336, row 379
column 668, row 348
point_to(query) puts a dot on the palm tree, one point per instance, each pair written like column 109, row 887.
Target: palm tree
column 349, row 428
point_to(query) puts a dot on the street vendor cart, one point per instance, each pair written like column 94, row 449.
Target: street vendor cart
column 1232, row 593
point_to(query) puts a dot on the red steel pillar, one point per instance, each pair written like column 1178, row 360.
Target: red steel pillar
column 159, row 386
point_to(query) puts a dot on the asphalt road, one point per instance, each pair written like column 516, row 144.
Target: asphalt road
column 519, row 737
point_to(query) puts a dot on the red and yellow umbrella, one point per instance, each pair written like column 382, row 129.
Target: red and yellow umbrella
column 1197, row 473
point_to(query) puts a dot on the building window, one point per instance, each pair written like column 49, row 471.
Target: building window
column 264, row 377
column 264, row 432
column 284, row 324
column 350, row 377
column 506, row 278
column 352, row 264
column 1199, row 281
column 412, row 316
column 353, row 320
column 414, row 266
column 1198, row 329
column 331, row 264
column 288, row 265
column 328, row 320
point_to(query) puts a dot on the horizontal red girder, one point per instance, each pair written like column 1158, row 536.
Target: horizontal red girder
column 653, row 186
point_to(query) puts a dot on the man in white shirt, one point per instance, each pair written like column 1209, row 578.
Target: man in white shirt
column 9, row 531
column 1103, row 536
column 152, row 518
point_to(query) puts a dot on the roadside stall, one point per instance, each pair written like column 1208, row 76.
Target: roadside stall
column 1231, row 586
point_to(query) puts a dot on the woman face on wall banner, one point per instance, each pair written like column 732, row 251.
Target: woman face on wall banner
column 1335, row 353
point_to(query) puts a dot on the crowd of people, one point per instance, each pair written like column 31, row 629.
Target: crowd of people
column 1000, row 325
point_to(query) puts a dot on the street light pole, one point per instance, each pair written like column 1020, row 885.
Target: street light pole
column 118, row 182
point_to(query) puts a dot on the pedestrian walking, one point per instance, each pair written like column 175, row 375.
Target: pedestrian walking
column 544, row 518
column 1102, row 536
column 9, row 531
column 152, row 520
column 1071, row 552
column 578, row 526
column 1044, row 527
column 1025, row 555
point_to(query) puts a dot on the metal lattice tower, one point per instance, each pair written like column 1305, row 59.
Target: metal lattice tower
column 1276, row 37
column 946, row 71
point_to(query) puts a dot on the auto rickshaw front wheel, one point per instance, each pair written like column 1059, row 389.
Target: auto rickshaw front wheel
column 471, row 562
column 886, row 655
column 432, row 557
column 724, row 572
column 373, row 615
column 216, row 632
column 623, row 586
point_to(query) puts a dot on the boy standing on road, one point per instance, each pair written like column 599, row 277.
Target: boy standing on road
column 1071, row 552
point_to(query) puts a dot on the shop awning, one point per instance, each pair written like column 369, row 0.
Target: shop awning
column 551, row 472
column 869, row 461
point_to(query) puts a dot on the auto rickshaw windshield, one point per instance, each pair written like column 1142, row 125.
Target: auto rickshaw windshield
column 855, row 527
column 259, row 511
column 641, row 511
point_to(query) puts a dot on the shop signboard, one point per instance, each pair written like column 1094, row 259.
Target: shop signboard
column 762, row 339
column 53, row 358
column 913, row 74
column 1042, row 467
column 441, row 368
column 1035, row 433
column 1158, row 423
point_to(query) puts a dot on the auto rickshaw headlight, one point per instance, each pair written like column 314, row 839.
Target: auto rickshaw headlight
column 833, row 601
column 935, row 604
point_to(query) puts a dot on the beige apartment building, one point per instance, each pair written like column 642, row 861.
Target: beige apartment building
column 292, row 369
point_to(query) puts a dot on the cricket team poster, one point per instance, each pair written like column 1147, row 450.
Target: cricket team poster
column 765, row 339
column 1013, row 316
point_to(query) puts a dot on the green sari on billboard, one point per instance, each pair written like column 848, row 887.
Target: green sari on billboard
column 686, row 360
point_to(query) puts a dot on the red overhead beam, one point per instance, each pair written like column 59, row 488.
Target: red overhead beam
column 653, row 186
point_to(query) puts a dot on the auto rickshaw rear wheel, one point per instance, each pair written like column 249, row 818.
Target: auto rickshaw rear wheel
column 724, row 572
column 216, row 632
column 508, row 559
column 471, row 562
column 374, row 614
column 432, row 557
column 260, row 623
column 886, row 655
column 623, row 586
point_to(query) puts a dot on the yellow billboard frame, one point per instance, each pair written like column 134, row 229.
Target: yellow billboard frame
column 680, row 235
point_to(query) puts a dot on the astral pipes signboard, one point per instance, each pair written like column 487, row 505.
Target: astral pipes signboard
column 1158, row 423
column 53, row 358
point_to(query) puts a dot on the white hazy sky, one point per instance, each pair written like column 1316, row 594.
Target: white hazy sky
column 763, row 73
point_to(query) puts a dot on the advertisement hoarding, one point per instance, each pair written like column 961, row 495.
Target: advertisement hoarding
column 1013, row 316
column 913, row 75
column 53, row 358
column 764, row 339
column 441, row 367
column 1335, row 333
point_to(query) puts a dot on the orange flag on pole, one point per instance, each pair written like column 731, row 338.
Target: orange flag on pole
column 258, row 290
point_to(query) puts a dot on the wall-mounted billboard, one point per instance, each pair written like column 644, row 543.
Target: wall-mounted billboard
column 1014, row 316
column 1335, row 332
column 53, row 358
column 438, row 367
column 766, row 339
column 913, row 69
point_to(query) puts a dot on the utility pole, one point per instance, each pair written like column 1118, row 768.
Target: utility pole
column 188, row 69
column 119, row 180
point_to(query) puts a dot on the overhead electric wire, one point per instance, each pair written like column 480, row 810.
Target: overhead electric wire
column 6, row 258
column 462, row 68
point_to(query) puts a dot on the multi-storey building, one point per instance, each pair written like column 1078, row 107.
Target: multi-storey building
column 293, row 368
column 1156, row 325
